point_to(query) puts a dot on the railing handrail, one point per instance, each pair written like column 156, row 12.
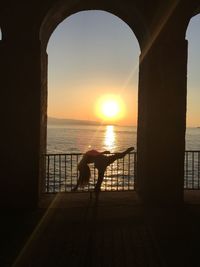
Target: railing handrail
column 82, row 153
column 79, row 154
column 196, row 151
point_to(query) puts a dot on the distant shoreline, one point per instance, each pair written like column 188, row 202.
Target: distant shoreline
column 58, row 121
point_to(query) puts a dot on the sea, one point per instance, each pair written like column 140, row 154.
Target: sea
column 66, row 143
column 80, row 138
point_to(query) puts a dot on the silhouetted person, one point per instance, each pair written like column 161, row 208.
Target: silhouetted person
column 101, row 161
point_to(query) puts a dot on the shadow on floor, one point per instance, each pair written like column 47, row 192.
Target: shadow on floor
column 71, row 230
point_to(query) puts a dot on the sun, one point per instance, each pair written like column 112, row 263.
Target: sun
column 110, row 108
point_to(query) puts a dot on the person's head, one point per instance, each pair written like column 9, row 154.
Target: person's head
column 84, row 175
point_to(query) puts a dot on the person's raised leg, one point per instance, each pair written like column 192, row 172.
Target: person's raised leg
column 119, row 155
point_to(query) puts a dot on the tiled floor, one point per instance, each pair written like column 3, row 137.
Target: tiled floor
column 74, row 230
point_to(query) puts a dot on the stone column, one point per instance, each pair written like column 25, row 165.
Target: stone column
column 43, row 120
column 21, row 131
column 162, row 122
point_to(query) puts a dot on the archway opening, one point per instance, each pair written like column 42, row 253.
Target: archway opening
column 192, row 154
column 92, row 91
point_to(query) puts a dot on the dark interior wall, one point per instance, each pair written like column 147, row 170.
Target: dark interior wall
column 20, row 54
column 162, row 93
column 21, row 113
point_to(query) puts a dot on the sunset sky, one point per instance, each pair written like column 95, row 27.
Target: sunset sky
column 93, row 67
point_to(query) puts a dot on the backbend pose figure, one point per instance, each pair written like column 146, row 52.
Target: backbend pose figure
column 101, row 161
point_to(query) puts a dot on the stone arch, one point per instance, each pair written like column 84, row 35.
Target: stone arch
column 55, row 16
column 163, row 56
column 165, row 67
column 62, row 10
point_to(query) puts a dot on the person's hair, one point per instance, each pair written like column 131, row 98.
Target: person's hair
column 84, row 175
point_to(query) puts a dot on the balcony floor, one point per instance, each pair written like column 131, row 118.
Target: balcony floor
column 71, row 230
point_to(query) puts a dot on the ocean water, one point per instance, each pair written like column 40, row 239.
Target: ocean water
column 193, row 139
column 62, row 173
column 80, row 138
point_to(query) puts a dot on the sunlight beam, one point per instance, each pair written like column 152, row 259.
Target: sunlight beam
column 36, row 232
column 160, row 25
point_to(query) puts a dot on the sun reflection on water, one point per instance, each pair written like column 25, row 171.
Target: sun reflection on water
column 109, row 140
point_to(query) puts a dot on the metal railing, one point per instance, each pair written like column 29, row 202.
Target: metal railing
column 192, row 170
column 62, row 173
